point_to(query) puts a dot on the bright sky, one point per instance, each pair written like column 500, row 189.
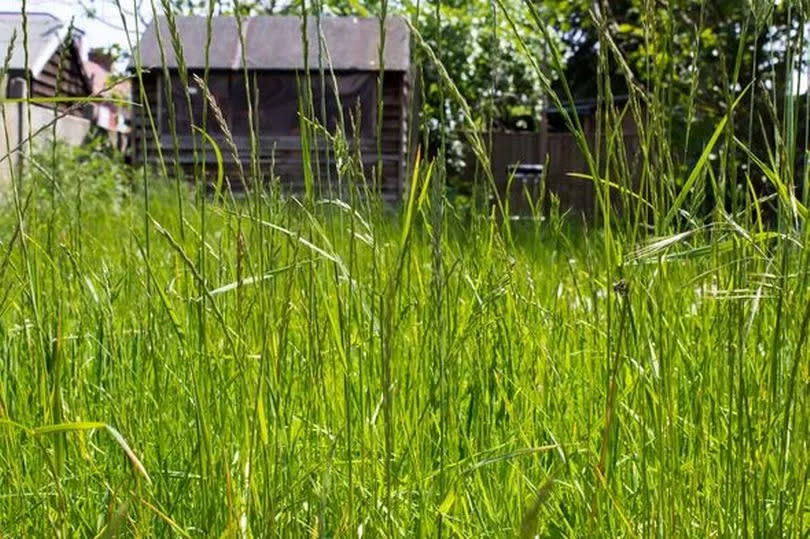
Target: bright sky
column 102, row 30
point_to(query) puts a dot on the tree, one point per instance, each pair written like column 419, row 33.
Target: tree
column 693, row 56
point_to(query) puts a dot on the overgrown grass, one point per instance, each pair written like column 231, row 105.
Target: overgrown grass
column 178, row 364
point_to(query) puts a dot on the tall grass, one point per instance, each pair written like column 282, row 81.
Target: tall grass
column 176, row 363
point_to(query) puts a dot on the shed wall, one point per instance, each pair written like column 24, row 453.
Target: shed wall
column 275, row 119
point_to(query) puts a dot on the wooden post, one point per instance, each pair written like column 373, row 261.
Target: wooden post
column 18, row 89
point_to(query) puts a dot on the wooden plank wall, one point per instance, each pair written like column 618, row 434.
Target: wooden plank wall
column 510, row 149
column 564, row 158
column 62, row 76
column 276, row 122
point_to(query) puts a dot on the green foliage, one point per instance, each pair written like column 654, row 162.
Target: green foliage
column 478, row 49
column 296, row 369
column 105, row 180
column 173, row 363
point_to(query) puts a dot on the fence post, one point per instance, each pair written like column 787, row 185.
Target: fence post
column 18, row 89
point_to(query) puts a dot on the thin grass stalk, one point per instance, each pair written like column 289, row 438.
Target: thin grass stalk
column 168, row 96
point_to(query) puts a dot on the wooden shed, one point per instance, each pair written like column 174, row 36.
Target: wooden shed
column 271, row 52
column 54, row 65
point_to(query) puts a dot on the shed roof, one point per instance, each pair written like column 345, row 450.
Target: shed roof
column 275, row 43
column 46, row 34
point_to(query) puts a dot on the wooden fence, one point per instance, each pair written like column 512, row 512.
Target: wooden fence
column 564, row 157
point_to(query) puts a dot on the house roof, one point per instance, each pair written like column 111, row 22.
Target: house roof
column 275, row 43
column 46, row 34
